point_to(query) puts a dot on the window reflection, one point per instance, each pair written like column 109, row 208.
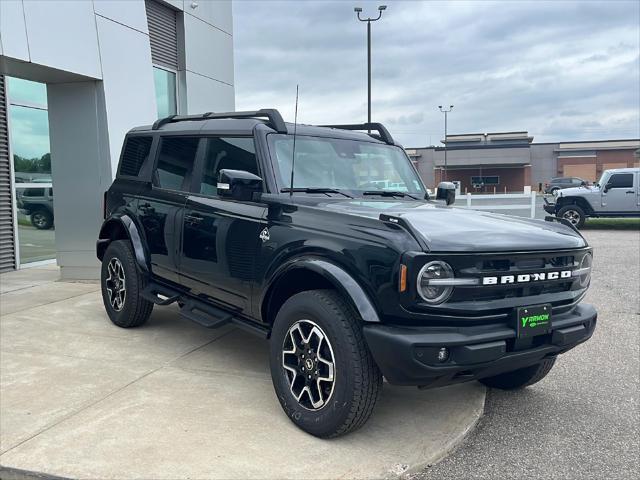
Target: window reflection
column 26, row 92
column 29, row 134
column 165, row 84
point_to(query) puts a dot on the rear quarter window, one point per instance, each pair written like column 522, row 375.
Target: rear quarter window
column 134, row 154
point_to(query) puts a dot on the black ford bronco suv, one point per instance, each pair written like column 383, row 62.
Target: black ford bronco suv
column 353, row 274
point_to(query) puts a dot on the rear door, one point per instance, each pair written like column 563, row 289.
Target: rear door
column 221, row 237
column 160, row 206
column 620, row 196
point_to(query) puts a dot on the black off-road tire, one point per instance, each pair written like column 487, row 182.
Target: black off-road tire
column 520, row 378
column 574, row 214
column 357, row 379
column 42, row 219
column 135, row 309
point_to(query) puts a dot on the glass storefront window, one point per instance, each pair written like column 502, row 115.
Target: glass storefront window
column 165, row 83
column 29, row 134
column 26, row 92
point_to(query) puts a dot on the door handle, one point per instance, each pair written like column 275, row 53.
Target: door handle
column 146, row 208
column 193, row 219
column 631, row 191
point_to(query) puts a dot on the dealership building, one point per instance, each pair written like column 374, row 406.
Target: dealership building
column 509, row 161
column 75, row 76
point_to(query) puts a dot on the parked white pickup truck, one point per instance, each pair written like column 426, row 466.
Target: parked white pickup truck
column 617, row 194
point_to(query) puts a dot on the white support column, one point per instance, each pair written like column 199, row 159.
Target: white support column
column 533, row 204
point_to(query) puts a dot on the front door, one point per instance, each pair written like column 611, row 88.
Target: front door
column 221, row 237
column 620, row 195
column 160, row 206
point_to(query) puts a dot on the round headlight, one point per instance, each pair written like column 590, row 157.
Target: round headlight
column 585, row 267
column 428, row 282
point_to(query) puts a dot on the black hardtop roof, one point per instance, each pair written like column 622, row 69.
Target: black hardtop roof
column 244, row 123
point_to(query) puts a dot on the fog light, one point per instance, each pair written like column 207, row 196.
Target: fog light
column 443, row 354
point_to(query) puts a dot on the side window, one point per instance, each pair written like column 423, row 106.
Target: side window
column 175, row 162
column 134, row 154
column 226, row 152
column 621, row 180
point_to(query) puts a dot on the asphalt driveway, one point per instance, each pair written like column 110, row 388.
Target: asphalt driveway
column 582, row 420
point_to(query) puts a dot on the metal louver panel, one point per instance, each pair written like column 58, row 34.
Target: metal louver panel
column 135, row 153
column 7, row 234
column 163, row 34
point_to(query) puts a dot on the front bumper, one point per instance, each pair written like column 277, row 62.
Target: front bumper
column 549, row 207
column 408, row 355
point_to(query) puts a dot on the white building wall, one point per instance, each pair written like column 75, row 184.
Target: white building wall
column 13, row 34
column 207, row 73
column 62, row 35
column 127, row 81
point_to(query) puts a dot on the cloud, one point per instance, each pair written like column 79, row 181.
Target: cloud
column 560, row 70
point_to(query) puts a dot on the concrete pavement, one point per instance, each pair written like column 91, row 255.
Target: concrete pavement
column 82, row 398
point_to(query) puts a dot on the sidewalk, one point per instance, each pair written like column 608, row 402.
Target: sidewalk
column 82, row 398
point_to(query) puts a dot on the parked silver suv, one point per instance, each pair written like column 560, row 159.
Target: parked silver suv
column 617, row 194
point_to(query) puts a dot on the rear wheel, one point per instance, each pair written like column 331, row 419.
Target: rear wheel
column 322, row 371
column 520, row 378
column 122, row 284
column 42, row 219
column 573, row 214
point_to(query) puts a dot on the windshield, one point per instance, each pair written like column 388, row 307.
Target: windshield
column 344, row 165
column 603, row 179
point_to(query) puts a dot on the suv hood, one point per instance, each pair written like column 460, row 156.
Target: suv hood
column 577, row 191
column 450, row 229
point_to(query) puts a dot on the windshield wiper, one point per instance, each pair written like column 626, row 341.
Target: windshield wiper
column 314, row 190
column 388, row 193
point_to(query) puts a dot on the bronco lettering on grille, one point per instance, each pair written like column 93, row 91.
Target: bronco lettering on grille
column 526, row 277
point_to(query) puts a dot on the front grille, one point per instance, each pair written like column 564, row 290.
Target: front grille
column 462, row 294
column 501, row 300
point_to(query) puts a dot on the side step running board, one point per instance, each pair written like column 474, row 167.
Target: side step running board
column 159, row 295
column 200, row 312
column 205, row 315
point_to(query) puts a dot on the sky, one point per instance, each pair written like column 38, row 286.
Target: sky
column 560, row 70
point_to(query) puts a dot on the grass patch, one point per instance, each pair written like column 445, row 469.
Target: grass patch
column 612, row 224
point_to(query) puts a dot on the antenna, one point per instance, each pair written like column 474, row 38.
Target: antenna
column 293, row 155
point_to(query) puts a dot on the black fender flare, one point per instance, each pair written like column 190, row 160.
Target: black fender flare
column 338, row 277
column 133, row 234
column 579, row 201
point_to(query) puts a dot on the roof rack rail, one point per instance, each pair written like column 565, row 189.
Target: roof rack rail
column 275, row 119
column 384, row 134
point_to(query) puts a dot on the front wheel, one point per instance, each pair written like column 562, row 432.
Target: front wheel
column 574, row 214
column 322, row 370
column 42, row 219
column 520, row 378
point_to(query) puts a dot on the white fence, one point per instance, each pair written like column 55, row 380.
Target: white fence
column 530, row 197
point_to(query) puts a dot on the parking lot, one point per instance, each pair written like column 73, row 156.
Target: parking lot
column 582, row 420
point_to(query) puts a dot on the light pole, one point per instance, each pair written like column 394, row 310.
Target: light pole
column 358, row 11
column 445, row 111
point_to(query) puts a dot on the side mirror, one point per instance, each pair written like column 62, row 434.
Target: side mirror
column 238, row 185
column 447, row 192
column 607, row 187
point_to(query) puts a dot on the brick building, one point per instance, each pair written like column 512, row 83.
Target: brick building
column 509, row 161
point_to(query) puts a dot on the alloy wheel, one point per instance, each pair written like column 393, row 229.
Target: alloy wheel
column 39, row 219
column 573, row 216
column 116, row 284
column 309, row 364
